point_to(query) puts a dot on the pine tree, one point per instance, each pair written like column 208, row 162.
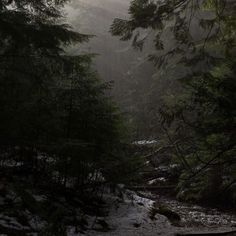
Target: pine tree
column 50, row 101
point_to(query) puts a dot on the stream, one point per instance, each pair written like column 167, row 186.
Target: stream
column 194, row 215
column 158, row 179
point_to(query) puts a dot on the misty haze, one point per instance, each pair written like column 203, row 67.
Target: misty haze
column 117, row 117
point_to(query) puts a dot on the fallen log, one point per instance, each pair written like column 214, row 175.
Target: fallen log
column 151, row 188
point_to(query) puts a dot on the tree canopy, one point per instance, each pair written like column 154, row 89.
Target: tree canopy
column 195, row 45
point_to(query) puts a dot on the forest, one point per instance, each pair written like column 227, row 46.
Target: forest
column 117, row 117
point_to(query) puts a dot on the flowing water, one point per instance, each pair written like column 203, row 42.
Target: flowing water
column 195, row 215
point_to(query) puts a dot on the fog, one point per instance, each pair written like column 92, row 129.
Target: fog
column 116, row 60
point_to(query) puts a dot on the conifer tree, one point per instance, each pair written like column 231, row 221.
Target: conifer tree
column 50, row 101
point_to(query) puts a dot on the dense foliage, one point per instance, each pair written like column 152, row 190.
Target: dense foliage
column 56, row 119
column 196, row 113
